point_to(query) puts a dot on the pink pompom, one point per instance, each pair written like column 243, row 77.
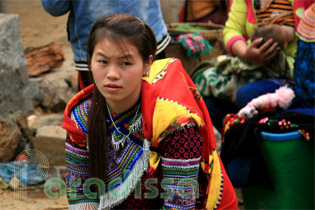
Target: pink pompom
column 268, row 102
column 285, row 96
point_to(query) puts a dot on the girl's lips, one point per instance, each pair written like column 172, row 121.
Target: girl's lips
column 112, row 87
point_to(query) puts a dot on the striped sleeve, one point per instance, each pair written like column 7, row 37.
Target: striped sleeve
column 181, row 153
column 77, row 165
column 77, row 172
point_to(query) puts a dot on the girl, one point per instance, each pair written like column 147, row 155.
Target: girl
column 140, row 135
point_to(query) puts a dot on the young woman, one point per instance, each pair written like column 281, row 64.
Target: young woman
column 140, row 136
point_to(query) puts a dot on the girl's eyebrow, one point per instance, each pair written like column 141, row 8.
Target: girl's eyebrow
column 127, row 56
column 100, row 54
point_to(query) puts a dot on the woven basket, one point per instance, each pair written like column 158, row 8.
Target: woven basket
column 214, row 31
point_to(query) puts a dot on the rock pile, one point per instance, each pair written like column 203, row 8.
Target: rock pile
column 31, row 108
column 15, row 91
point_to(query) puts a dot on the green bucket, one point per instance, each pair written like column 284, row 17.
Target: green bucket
column 290, row 159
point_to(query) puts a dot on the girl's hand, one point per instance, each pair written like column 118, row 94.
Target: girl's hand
column 256, row 54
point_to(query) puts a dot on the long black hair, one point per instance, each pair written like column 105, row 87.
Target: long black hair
column 120, row 28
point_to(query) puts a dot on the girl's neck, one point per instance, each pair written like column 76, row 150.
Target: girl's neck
column 120, row 107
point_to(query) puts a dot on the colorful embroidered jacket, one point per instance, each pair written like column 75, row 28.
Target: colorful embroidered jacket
column 177, row 126
column 242, row 22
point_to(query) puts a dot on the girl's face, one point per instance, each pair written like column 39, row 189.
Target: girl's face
column 118, row 72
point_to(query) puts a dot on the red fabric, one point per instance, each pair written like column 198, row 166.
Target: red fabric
column 182, row 14
column 177, row 86
column 229, row 4
column 75, row 133
column 228, row 200
column 184, row 144
column 173, row 88
column 251, row 16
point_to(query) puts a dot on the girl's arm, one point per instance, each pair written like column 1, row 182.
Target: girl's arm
column 77, row 172
column 181, row 153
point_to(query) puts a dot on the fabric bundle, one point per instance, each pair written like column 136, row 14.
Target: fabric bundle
column 223, row 76
column 195, row 44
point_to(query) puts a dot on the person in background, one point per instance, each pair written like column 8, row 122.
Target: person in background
column 244, row 17
column 141, row 132
column 213, row 11
column 82, row 15
column 257, row 13
column 304, row 65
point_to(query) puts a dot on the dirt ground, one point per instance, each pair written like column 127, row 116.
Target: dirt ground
column 37, row 28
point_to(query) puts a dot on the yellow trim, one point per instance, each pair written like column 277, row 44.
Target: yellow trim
column 154, row 160
column 158, row 70
column 215, row 181
column 162, row 117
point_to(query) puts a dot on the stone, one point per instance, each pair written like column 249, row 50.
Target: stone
column 50, row 140
column 57, row 88
column 38, row 94
column 55, row 119
column 16, row 94
column 15, row 183
column 10, row 136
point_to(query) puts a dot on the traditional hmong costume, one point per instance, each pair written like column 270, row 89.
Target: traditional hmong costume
column 158, row 164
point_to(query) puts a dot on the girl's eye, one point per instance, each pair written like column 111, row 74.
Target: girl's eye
column 125, row 63
column 102, row 61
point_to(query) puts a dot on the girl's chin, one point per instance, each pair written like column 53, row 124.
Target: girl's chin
column 111, row 97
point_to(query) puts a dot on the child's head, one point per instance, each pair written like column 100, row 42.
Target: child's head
column 274, row 32
column 120, row 29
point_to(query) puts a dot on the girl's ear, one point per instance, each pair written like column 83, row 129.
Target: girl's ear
column 147, row 65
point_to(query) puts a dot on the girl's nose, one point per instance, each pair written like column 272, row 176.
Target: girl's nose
column 112, row 73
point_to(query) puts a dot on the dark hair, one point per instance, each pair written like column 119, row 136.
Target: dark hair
column 269, row 32
column 120, row 28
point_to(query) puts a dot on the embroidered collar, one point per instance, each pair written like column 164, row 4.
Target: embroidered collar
column 129, row 124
